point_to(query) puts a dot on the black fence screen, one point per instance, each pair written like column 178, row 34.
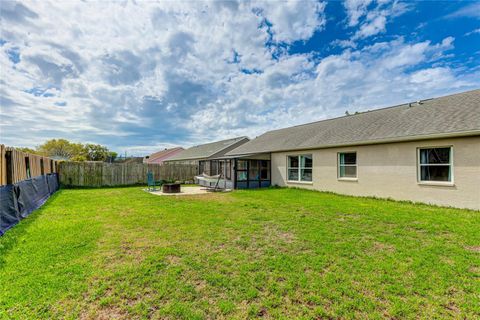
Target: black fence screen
column 18, row 200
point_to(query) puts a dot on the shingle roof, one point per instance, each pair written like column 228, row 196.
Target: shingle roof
column 162, row 155
column 209, row 150
column 444, row 116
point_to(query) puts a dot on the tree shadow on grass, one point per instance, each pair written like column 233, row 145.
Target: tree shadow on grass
column 11, row 237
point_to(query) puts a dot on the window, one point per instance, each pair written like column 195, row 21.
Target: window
column 435, row 164
column 300, row 168
column 347, row 165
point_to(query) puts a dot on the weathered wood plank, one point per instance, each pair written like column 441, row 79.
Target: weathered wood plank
column 97, row 174
column 18, row 165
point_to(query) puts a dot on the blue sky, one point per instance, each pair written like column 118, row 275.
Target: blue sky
column 140, row 76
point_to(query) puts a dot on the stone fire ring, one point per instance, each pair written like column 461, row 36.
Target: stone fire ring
column 171, row 188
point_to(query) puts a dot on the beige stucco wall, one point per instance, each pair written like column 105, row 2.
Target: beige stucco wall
column 390, row 171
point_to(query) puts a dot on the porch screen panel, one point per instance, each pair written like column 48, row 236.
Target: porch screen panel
column 221, row 167
column 253, row 172
column 242, row 173
column 228, row 169
column 214, row 167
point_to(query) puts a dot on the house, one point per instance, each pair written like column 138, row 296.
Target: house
column 425, row 151
column 133, row 160
column 210, row 157
column 162, row 155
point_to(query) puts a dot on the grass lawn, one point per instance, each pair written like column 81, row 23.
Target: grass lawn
column 273, row 253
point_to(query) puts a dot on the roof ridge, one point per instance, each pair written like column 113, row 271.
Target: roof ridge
column 448, row 115
column 167, row 150
column 370, row 111
column 204, row 144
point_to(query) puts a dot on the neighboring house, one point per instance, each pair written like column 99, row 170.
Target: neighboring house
column 133, row 160
column 162, row 155
column 210, row 157
column 427, row 151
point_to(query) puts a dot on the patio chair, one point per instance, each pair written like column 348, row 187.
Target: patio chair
column 152, row 184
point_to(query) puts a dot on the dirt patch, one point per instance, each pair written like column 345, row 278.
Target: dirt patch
column 273, row 233
column 452, row 307
column 110, row 312
column 173, row 260
column 447, row 260
column 130, row 251
column 200, row 285
column 126, row 212
column 475, row 270
column 382, row 247
column 262, row 313
column 473, row 248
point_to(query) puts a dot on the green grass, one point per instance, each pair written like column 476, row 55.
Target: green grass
column 273, row 253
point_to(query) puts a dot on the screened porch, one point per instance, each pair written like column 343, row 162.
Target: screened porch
column 239, row 173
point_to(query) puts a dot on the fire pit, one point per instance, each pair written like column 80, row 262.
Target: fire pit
column 171, row 188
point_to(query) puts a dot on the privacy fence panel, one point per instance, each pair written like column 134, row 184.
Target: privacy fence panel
column 3, row 166
column 26, row 182
column 99, row 174
column 16, row 165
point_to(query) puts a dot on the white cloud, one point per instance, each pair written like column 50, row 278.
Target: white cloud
column 355, row 10
column 140, row 76
column 294, row 20
column 475, row 31
column 372, row 16
column 374, row 26
column 471, row 10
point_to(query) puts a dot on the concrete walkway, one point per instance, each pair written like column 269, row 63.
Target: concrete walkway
column 184, row 191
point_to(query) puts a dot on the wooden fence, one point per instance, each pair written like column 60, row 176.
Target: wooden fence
column 16, row 165
column 99, row 174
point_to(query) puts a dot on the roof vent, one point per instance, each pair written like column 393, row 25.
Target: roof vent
column 412, row 104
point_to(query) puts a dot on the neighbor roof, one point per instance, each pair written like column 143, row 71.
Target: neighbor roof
column 209, row 150
column 453, row 115
column 162, row 155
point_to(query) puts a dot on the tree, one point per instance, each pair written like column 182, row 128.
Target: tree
column 62, row 148
column 112, row 155
column 29, row 150
column 96, row 152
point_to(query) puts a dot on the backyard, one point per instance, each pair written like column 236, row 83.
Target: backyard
column 273, row 253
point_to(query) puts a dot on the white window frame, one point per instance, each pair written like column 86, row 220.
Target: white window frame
column 299, row 168
column 339, row 165
column 433, row 182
